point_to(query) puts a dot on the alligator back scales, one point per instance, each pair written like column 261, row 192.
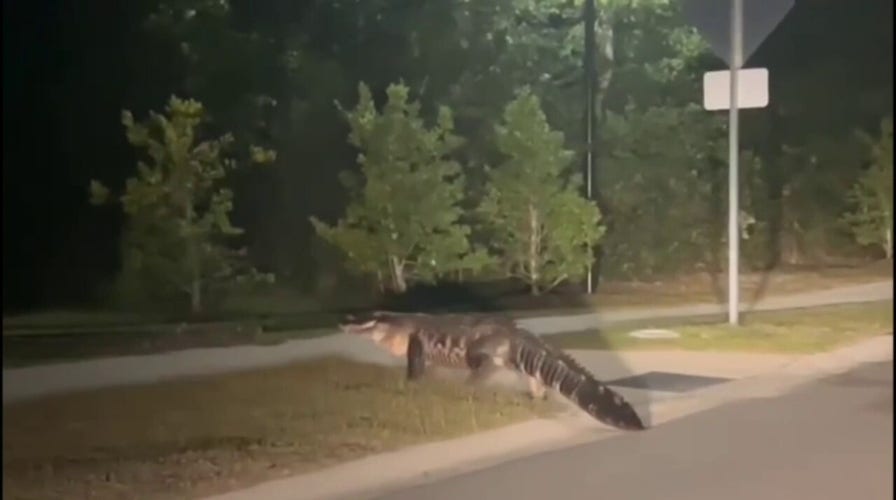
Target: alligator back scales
column 483, row 343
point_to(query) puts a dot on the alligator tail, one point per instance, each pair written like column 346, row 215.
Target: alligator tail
column 559, row 371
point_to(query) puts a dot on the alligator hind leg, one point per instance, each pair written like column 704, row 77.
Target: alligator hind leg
column 536, row 389
column 481, row 368
column 485, row 356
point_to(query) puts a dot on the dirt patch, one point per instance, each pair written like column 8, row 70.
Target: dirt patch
column 208, row 435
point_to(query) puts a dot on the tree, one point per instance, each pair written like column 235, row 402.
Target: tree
column 871, row 219
column 647, row 57
column 404, row 222
column 542, row 229
column 178, row 213
column 663, row 174
column 470, row 56
column 642, row 43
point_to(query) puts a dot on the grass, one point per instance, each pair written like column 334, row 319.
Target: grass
column 705, row 288
column 803, row 331
column 282, row 309
column 74, row 318
column 71, row 321
column 31, row 349
column 211, row 434
column 281, row 315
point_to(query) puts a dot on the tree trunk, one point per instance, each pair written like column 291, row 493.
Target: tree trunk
column 605, row 46
column 889, row 247
column 534, row 237
column 605, row 38
column 888, row 230
column 193, row 262
column 399, row 282
column 195, row 297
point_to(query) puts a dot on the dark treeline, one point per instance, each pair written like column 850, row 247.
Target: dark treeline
column 270, row 73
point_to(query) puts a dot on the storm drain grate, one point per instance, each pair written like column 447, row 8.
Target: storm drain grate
column 668, row 382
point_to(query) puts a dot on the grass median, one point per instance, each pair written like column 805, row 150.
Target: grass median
column 35, row 349
column 280, row 315
column 192, row 437
column 798, row 331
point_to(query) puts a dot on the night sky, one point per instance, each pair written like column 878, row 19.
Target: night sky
column 68, row 71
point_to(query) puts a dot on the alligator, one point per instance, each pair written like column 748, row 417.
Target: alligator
column 484, row 344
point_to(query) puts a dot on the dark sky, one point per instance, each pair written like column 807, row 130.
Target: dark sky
column 67, row 75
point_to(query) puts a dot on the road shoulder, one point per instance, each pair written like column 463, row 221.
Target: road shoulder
column 379, row 474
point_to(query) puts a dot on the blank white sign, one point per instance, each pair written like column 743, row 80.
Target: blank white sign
column 752, row 89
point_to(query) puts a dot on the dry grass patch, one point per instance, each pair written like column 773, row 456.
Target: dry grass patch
column 807, row 330
column 204, row 435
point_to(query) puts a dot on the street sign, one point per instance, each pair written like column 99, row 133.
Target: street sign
column 712, row 18
column 752, row 89
column 734, row 30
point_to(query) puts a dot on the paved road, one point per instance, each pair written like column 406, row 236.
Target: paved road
column 831, row 439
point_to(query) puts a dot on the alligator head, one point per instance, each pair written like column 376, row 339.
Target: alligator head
column 389, row 331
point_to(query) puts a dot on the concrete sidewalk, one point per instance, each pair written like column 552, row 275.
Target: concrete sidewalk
column 867, row 292
column 755, row 377
column 33, row 381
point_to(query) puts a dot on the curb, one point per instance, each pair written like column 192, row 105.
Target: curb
column 875, row 349
column 377, row 474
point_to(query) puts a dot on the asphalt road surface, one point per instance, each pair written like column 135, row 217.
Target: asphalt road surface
column 830, row 439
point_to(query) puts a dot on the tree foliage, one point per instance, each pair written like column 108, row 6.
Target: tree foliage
column 540, row 227
column 663, row 175
column 269, row 72
column 177, row 209
column 484, row 51
column 403, row 221
column 871, row 219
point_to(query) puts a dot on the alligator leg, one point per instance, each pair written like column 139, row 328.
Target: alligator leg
column 481, row 369
column 536, row 389
column 486, row 356
column 416, row 359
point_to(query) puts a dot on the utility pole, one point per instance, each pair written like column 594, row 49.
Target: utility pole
column 588, row 64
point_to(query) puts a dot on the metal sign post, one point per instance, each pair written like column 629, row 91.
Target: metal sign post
column 709, row 17
column 737, row 37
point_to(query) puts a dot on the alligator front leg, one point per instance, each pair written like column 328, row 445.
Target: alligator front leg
column 416, row 358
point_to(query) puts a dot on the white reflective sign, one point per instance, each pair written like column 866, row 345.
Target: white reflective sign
column 752, row 89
